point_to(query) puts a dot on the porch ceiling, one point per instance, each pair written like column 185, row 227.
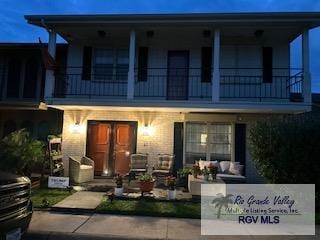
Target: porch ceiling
column 180, row 106
column 235, row 24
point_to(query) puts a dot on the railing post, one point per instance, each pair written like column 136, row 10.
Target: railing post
column 132, row 46
column 215, row 79
column 306, row 90
column 50, row 80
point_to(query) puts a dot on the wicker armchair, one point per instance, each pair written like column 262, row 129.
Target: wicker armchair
column 164, row 167
column 81, row 169
column 138, row 165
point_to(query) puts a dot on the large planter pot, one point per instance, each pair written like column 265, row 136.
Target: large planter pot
column 146, row 186
column 214, row 176
column 118, row 191
column 171, row 194
column 183, row 182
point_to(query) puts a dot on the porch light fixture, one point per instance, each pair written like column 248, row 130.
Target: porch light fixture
column 101, row 33
column 147, row 130
column 150, row 33
column 76, row 128
column 206, row 33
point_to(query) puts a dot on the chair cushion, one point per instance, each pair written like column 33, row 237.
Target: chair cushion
column 164, row 163
column 138, row 170
column 160, row 171
column 203, row 164
column 138, row 161
column 85, row 166
column 224, row 166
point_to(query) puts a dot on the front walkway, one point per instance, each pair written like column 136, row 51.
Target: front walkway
column 82, row 200
column 52, row 226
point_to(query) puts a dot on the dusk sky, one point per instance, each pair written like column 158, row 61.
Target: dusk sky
column 14, row 27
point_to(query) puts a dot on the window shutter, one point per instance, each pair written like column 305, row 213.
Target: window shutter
column 240, row 145
column 267, row 64
column 143, row 64
column 86, row 63
column 206, row 64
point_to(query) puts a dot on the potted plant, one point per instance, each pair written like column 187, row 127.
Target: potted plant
column 171, row 183
column 213, row 170
column 146, row 183
column 183, row 174
column 195, row 170
column 205, row 172
column 118, row 190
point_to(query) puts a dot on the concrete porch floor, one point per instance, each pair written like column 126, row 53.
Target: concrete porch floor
column 130, row 190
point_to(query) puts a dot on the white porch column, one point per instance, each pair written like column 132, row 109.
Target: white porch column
column 215, row 79
column 49, row 85
column 132, row 46
column 306, row 90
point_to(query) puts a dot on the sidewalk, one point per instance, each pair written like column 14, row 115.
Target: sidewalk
column 48, row 225
column 53, row 225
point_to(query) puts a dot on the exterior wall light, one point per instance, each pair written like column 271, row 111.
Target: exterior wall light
column 76, row 128
column 147, row 130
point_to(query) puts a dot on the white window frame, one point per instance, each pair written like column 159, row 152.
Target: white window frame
column 208, row 154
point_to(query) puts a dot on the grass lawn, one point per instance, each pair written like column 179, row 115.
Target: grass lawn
column 145, row 207
column 53, row 196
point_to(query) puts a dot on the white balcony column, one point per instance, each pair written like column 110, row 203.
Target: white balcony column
column 306, row 88
column 132, row 48
column 215, row 77
column 50, row 80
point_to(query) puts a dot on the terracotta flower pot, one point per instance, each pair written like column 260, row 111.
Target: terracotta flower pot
column 146, row 186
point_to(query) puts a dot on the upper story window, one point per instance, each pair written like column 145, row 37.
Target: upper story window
column 111, row 64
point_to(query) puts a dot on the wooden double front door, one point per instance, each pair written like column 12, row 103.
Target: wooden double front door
column 109, row 145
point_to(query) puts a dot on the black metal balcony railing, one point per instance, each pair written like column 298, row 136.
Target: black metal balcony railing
column 97, row 83
column 172, row 84
column 250, row 84
column 247, row 84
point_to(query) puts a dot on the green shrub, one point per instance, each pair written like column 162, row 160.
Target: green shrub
column 19, row 152
column 288, row 150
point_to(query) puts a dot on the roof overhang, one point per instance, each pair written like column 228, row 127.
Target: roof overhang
column 290, row 24
column 22, row 105
column 308, row 19
column 178, row 106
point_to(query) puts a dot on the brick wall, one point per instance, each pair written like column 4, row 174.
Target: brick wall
column 161, row 141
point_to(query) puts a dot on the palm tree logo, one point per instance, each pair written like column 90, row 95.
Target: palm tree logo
column 222, row 201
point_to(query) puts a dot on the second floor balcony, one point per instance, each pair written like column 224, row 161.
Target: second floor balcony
column 181, row 84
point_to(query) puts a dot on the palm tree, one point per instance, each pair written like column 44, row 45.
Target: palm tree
column 222, row 201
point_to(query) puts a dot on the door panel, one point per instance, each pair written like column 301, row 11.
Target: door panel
column 123, row 147
column 178, row 74
column 99, row 146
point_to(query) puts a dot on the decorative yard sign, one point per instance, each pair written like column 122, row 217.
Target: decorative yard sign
column 58, row 182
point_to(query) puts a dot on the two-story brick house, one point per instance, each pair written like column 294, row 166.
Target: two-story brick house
column 184, row 84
